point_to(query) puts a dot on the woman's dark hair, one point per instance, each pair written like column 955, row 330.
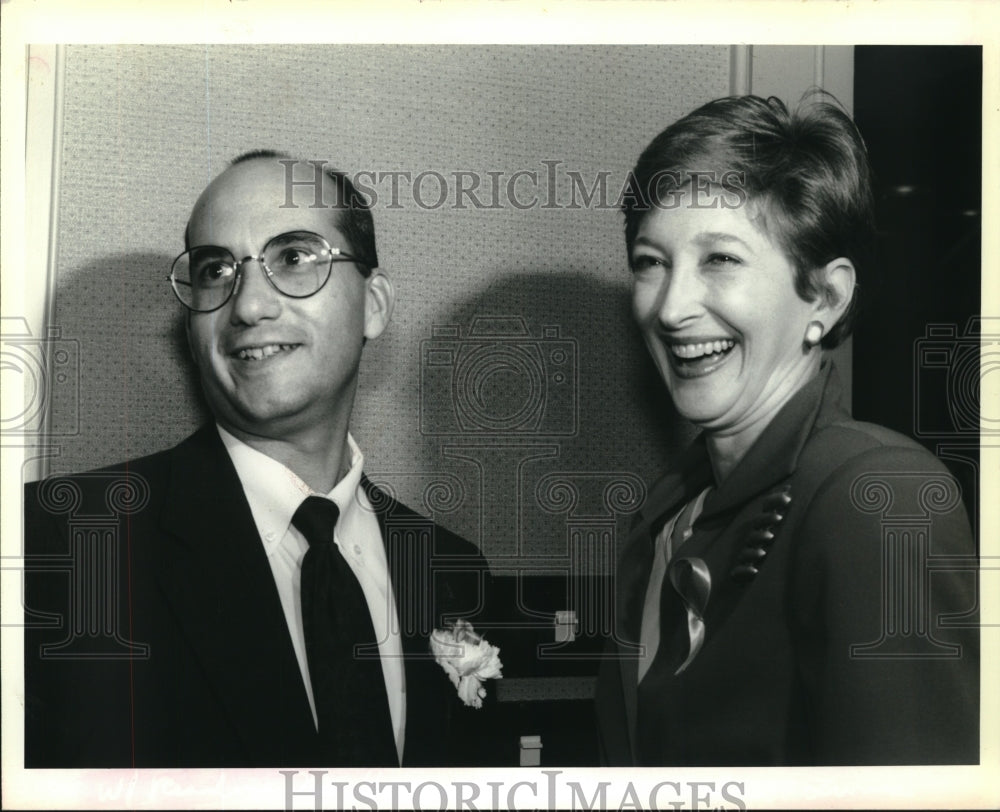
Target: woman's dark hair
column 806, row 173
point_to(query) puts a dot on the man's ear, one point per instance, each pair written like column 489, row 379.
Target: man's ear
column 836, row 282
column 380, row 297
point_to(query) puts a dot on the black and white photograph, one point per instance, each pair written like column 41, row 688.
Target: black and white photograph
column 494, row 417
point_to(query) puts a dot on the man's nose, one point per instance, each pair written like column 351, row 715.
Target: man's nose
column 254, row 298
column 680, row 296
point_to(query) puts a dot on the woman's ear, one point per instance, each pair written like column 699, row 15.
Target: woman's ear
column 380, row 297
column 837, row 280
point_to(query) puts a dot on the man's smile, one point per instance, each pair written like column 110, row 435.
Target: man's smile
column 262, row 351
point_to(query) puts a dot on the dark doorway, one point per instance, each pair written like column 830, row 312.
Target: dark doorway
column 916, row 348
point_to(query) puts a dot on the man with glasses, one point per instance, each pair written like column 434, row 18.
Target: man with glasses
column 273, row 608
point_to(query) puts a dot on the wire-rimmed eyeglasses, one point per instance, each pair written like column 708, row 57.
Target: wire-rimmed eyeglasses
column 296, row 264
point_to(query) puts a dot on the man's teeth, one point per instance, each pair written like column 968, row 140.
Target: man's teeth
column 689, row 351
column 259, row 353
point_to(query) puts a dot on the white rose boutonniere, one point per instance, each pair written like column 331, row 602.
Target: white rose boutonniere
column 467, row 659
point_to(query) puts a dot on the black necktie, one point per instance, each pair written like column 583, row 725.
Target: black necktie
column 355, row 727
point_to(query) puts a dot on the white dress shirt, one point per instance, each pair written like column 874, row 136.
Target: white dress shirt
column 275, row 493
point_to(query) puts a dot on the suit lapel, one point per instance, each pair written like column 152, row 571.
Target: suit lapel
column 215, row 575
column 422, row 598
column 408, row 540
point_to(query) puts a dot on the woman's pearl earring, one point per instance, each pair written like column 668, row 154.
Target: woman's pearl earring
column 814, row 333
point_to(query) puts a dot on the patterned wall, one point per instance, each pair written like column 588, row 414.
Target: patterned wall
column 572, row 419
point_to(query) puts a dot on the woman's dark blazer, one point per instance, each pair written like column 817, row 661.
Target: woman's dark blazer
column 852, row 641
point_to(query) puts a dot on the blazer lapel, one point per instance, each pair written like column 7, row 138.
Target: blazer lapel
column 770, row 461
column 216, row 576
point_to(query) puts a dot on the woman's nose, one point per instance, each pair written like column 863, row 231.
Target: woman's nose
column 680, row 296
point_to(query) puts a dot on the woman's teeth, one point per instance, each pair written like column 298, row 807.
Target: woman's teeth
column 691, row 351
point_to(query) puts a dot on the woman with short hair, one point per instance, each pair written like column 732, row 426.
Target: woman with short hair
column 776, row 604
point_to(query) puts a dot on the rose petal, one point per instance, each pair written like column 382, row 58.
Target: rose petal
column 471, row 692
column 467, row 659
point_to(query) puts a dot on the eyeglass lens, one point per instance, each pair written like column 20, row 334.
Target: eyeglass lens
column 297, row 264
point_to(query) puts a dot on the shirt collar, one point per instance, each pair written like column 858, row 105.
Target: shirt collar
column 356, row 514
column 275, row 491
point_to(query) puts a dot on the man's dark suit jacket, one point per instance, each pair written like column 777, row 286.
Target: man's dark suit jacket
column 831, row 653
column 155, row 636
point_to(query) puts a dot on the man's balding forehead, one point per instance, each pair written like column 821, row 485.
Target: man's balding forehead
column 329, row 187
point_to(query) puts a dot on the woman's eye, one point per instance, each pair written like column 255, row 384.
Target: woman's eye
column 644, row 262
column 723, row 260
